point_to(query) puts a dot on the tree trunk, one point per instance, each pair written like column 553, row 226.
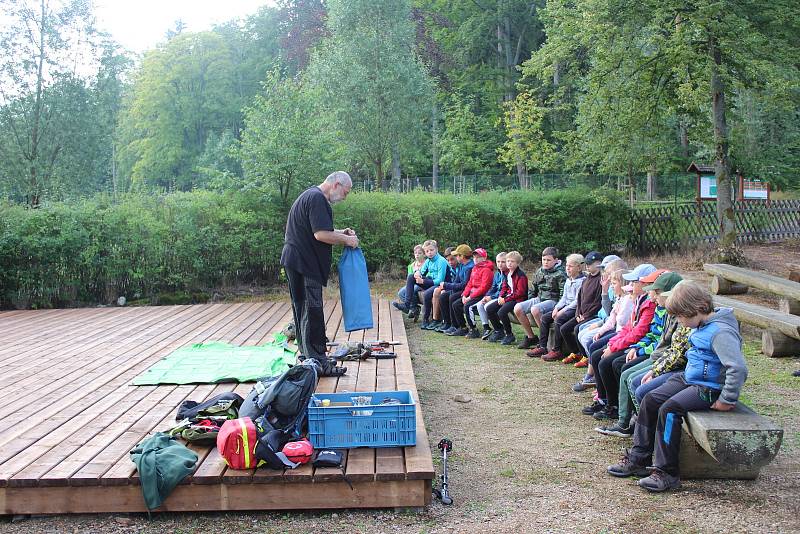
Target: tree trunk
column 556, row 74
column 435, row 137
column 652, row 174
column 396, row 162
column 683, row 134
column 728, row 252
column 380, row 176
column 33, row 155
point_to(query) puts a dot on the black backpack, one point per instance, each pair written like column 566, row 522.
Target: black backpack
column 279, row 408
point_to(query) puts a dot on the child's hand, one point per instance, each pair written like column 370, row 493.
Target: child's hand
column 501, row 301
column 722, row 406
column 464, row 300
column 630, row 356
column 486, row 299
column 441, row 285
column 647, row 377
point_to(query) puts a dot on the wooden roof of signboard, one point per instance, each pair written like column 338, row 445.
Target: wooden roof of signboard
column 700, row 169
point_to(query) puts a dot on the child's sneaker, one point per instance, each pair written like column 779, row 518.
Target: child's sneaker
column 659, row 481
column 583, row 384
column 495, row 336
column 582, row 363
column 553, row 356
column 487, row 331
column 616, row 430
column 473, row 334
column 536, row 353
column 400, row 306
column 593, row 408
column 572, row 358
column 508, row 340
column 626, row 468
column 528, row 342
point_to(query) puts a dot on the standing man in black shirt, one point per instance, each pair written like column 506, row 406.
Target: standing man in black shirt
column 306, row 259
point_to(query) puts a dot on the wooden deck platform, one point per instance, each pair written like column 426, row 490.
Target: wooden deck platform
column 70, row 415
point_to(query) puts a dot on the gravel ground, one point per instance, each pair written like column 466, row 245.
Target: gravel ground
column 525, row 460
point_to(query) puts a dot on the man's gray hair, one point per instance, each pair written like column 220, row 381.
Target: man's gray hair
column 339, row 177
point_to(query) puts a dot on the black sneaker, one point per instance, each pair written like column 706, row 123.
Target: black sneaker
column 593, row 408
column 413, row 313
column 474, row 334
column 528, row 342
column 495, row 336
column 626, row 468
column 433, row 325
column 424, row 325
column 609, row 412
column 486, row 333
column 508, row 340
column 444, row 328
column 450, row 331
column 458, row 332
column 400, row 306
column 659, row 481
column 616, row 430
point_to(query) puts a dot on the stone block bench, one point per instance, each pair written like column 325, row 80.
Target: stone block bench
column 735, row 444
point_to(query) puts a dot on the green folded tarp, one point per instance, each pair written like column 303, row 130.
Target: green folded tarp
column 213, row 362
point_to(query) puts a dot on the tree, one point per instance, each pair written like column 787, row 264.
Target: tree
column 41, row 47
column 283, row 148
column 373, row 87
column 183, row 92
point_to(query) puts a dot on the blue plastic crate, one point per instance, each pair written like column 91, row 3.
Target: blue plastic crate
column 374, row 425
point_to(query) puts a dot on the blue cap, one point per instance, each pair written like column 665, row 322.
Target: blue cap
column 639, row 272
column 593, row 257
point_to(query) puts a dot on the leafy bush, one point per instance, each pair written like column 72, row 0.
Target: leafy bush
column 144, row 246
column 575, row 220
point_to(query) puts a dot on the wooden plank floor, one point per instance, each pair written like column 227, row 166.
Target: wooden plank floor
column 71, row 415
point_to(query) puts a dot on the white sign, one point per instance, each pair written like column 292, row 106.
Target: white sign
column 708, row 186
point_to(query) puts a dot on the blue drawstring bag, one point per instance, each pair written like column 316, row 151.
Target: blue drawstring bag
column 354, row 290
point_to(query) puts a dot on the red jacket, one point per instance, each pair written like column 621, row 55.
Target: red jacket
column 520, row 290
column 480, row 281
column 637, row 327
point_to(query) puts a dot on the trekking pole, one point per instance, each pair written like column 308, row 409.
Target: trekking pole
column 445, row 446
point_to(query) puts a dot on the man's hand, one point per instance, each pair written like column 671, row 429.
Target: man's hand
column 631, row 355
column 647, row 377
column 351, row 240
column 722, row 406
column 348, row 231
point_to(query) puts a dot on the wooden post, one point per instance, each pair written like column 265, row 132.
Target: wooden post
column 722, row 286
column 794, row 272
column 789, row 305
column 776, row 344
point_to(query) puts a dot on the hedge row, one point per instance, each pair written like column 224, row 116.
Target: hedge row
column 143, row 246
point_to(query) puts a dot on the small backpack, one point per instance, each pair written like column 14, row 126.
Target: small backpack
column 299, row 452
column 236, row 443
column 199, row 423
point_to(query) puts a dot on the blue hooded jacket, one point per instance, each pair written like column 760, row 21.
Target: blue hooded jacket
column 715, row 359
column 462, row 277
column 435, row 268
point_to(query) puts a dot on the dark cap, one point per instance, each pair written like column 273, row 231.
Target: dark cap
column 593, row 257
column 665, row 282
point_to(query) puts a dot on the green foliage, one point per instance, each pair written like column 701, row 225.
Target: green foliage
column 284, row 147
column 97, row 250
column 374, row 91
column 389, row 225
column 144, row 247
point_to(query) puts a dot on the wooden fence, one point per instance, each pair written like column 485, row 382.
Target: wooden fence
column 681, row 226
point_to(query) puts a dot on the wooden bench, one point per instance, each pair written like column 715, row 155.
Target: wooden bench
column 781, row 332
column 794, row 271
column 735, row 444
column 730, row 280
